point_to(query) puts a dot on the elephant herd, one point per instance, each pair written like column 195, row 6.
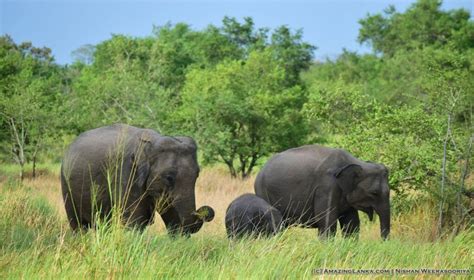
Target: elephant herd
column 138, row 172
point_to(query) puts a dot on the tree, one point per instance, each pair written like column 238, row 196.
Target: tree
column 244, row 35
column 178, row 47
column 241, row 111
column 423, row 24
column 288, row 48
column 292, row 53
column 29, row 92
column 122, row 51
column 128, row 72
column 84, row 54
column 118, row 87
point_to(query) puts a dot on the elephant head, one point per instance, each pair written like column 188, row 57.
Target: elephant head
column 167, row 169
column 365, row 187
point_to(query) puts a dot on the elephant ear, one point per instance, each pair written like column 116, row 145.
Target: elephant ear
column 190, row 143
column 140, row 158
column 348, row 176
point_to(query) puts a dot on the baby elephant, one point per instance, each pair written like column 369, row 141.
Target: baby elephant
column 250, row 215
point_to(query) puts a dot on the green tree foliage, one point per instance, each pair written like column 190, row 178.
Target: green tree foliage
column 292, row 53
column 178, row 47
column 240, row 111
column 118, row 87
column 423, row 24
column 244, row 36
column 84, row 54
column 288, row 48
column 424, row 76
column 28, row 99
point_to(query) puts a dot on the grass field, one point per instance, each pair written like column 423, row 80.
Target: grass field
column 36, row 241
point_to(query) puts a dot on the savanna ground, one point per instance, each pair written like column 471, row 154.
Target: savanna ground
column 36, row 241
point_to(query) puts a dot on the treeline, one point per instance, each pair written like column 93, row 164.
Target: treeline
column 245, row 92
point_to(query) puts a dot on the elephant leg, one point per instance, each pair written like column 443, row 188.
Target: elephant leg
column 350, row 223
column 77, row 220
column 326, row 218
column 171, row 219
column 77, row 225
column 71, row 213
column 327, row 230
column 140, row 213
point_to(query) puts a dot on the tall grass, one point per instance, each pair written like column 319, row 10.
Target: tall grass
column 36, row 242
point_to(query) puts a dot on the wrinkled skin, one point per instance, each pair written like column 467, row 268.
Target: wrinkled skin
column 136, row 171
column 316, row 186
column 250, row 215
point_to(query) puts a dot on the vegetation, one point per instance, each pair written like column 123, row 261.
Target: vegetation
column 408, row 106
column 29, row 93
column 36, row 242
column 243, row 111
column 245, row 93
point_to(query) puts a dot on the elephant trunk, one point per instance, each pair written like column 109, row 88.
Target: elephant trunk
column 191, row 220
column 384, row 215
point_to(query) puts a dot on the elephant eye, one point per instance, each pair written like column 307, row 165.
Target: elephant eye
column 374, row 192
column 170, row 179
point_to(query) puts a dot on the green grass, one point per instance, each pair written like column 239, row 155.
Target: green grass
column 12, row 170
column 36, row 242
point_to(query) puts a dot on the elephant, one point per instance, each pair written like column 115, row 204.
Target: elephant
column 134, row 172
column 250, row 215
column 316, row 186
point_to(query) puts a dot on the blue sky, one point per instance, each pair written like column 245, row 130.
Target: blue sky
column 68, row 24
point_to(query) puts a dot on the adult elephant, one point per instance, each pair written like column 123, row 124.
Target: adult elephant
column 316, row 186
column 135, row 172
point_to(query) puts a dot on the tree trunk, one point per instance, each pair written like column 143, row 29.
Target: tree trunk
column 232, row 171
column 243, row 163
column 443, row 179
column 230, row 166
column 19, row 145
column 22, row 176
column 34, row 165
column 463, row 178
column 248, row 172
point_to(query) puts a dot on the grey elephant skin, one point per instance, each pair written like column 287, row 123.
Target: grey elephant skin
column 316, row 186
column 136, row 172
column 250, row 215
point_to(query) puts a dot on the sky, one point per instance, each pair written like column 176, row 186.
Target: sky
column 66, row 25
